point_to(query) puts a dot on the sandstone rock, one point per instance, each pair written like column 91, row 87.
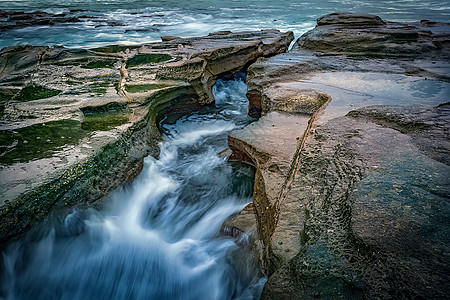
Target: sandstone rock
column 203, row 67
column 268, row 144
column 354, row 182
column 348, row 33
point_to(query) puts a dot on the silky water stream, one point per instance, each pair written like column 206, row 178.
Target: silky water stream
column 160, row 238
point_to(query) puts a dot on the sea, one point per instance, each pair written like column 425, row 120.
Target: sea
column 142, row 21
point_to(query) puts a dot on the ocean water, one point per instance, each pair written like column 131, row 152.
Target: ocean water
column 153, row 19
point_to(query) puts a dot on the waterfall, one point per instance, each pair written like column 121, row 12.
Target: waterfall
column 159, row 237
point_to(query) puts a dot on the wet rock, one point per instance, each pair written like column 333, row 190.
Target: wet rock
column 16, row 19
column 168, row 38
column 364, row 212
column 369, row 35
column 351, row 20
column 142, row 30
column 242, row 227
column 427, row 127
column 219, row 33
column 367, row 170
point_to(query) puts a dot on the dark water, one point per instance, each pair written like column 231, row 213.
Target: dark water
column 159, row 239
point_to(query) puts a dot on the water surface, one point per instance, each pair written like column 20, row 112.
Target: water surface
column 195, row 18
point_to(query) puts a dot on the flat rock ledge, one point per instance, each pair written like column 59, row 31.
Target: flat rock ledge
column 76, row 124
column 351, row 195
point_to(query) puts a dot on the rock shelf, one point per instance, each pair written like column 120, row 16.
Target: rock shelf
column 351, row 155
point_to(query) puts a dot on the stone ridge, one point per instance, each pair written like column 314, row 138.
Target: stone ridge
column 75, row 124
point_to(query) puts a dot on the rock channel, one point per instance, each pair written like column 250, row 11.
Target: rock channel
column 351, row 153
column 78, row 123
column 351, row 149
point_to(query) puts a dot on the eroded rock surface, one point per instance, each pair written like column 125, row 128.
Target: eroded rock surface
column 346, row 33
column 77, row 123
column 362, row 211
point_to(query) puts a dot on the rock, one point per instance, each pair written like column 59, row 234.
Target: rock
column 350, row 20
column 142, row 30
column 268, row 145
column 204, row 67
column 242, row 227
column 101, row 107
column 369, row 35
column 168, row 38
column 16, row 19
column 330, row 195
column 220, row 33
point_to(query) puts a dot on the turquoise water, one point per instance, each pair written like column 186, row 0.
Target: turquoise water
column 194, row 18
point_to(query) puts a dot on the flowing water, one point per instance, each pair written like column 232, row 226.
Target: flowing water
column 141, row 21
column 160, row 238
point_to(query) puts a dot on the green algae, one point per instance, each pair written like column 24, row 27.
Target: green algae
column 35, row 92
column 108, row 107
column 72, row 82
column 89, row 63
column 38, row 141
column 96, row 64
column 142, row 59
column 139, row 88
column 5, row 96
column 99, row 87
column 104, row 121
column 115, row 48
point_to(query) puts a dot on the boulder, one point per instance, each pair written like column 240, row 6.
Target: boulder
column 369, row 35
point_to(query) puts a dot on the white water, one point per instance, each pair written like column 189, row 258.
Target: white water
column 160, row 238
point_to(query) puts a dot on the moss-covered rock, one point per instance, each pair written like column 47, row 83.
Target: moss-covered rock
column 89, row 62
column 35, row 92
column 38, row 141
column 115, row 48
column 104, row 121
column 143, row 59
